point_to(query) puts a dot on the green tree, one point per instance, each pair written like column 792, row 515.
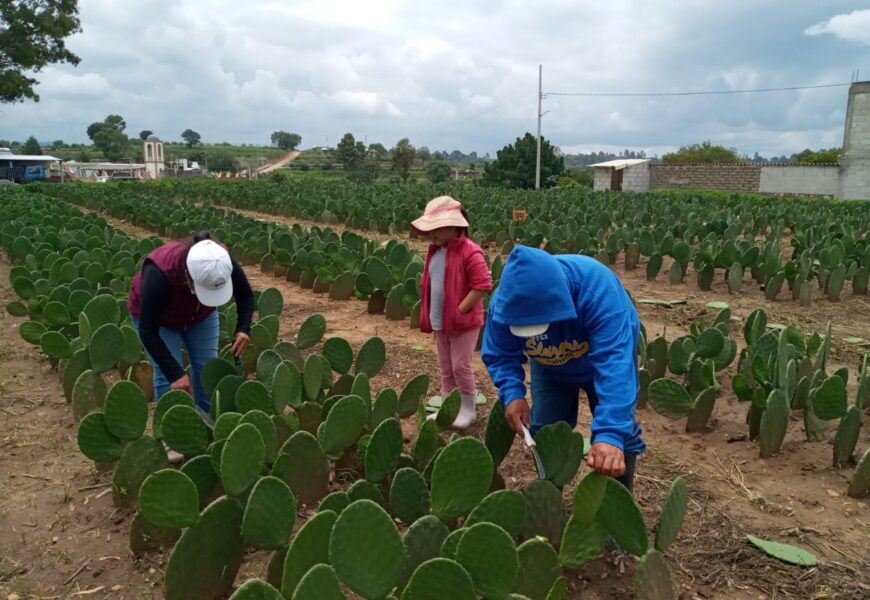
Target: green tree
column 438, row 171
column 365, row 171
column 514, row 166
column 403, row 158
column 423, row 154
column 143, row 135
column 378, row 151
column 286, row 140
column 704, row 152
column 57, row 144
column 349, row 152
column 818, row 157
column 223, row 160
column 191, row 138
column 31, row 146
column 109, row 138
column 32, row 35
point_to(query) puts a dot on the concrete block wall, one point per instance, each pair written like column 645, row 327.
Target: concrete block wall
column 814, row 180
column 601, row 182
column 855, row 162
column 636, row 178
column 729, row 177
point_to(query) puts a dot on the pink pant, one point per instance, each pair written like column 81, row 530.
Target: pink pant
column 455, row 354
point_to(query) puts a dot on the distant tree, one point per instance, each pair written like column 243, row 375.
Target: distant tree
column 704, row 152
column 817, row 157
column 423, row 154
column 378, row 151
column 31, row 146
column 223, row 160
column 365, row 171
column 514, row 166
column 143, row 135
column 57, row 144
column 5, row 144
column 403, row 158
column 286, row 140
column 438, row 171
column 191, row 138
column 108, row 136
column 349, row 152
column 32, row 36
column 83, row 156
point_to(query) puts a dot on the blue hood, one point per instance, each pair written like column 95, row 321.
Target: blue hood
column 533, row 289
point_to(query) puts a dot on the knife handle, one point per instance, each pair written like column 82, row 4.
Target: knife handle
column 527, row 437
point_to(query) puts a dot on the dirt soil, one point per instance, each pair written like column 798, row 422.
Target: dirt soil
column 60, row 536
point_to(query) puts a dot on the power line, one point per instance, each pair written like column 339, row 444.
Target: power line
column 708, row 93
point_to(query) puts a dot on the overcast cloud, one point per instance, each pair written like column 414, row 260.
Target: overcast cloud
column 457, row 74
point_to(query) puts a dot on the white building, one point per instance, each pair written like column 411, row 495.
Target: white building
column 622, row 175
column 153, row 152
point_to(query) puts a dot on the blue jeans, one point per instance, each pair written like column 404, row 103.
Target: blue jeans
column 201, row 342
column 554, row 401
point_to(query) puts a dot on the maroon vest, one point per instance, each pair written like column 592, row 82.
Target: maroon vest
column 183, row 310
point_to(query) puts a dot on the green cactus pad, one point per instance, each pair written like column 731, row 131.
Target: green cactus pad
column 859, row 487
column 55, row 345
column 847, row 437
column 32, row 332
column 582, row 541
column 499, row 437
column 290, row 352
column 343, row 286
column 679, row 354
column 309, row 416
column 412, row 394
column 309, row 547
column 167, row 401
column 409, row 495
column 242, row 459
column 588, row 496
column 539, row 569
column 505, row 508
column 344, row 425
column 384, row 407
column 710, row 343
column 336, row 502
column 339, row 354
column 784, row 552
column 168, row 498
column 370, row 570
column 652, row 581
column 449, row 410
column 362, row 388
column 204, row 562
column 255, row 589
column 184, row 431
column 561, row 450
column 440, row 578
column 622, row 518
column 266, row 426
column 201, row 472
column 100, row 310
column 104, row 347
column 371, row 358
column 146, row 537
column 461, row 478
column 267, row 362
column 275, row 568
column 75, row 366
column 224, row 425
column 366, row 490
column 451, row 543
column 423, row 541
column 286, row 387
column 559, row 591
column 269, row 514
column 488, row 553
column 774, row 423
column 383, row 450
column 126, row 410
column 271, row 302
column 319, row 583
column 311, row 331
column 669, row 398
column 88, row 394
column 702, row 410
column 224, row 397
column 305, row 468
column 673, row 513
column 140, row 458
column 212, row 373
column 253, row 395
column 546, row 514
column 132, row 346
column 829, row 399
column 312, row 377
column 96, row 441
column 342, row 386
column 426, row 444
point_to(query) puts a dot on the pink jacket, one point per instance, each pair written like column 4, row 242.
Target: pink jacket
column 464, row 270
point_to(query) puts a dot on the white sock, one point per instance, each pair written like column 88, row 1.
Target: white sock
column 467, row 411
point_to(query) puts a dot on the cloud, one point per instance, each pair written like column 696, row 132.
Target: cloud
column 852, row 27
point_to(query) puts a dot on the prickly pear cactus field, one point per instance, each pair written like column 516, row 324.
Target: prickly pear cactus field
column 326, row 470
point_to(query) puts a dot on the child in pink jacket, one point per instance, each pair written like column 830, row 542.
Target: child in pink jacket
column 455, row 280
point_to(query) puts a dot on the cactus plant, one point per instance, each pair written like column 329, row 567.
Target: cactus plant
column 339, row 354
column 488, row 553
column 672, row 515
column 383, row 450
column 167, row 401
column 847, row 436
column 303, row 466
column 267, row 362
column 96, row 441
column 312, row 377
column 242, row 459
column 860, row 484
column 409, row 495
column 204, row 562
column 185, row 431
column 368, row 570
column 371, row 357
column 384, row 407
column 319, row 583
column 784, row 552
column 141, row 457
column 546, row 514
column 412, row 394
column 449, row 410
column 55, row 345
column 461, row 478
column 224, row 397
column 498, row 437
column 311, row 331
column 366, row 490
column 266, row 426
column 146, row 537
column 309, row 547
column 622, row 518
column 255, row 589
column 505, row 508
column 286, row 387
column 213, row 372
column 774, row 423
column 269, row 514
column 204, row 477
column 539, row 569
column 829, row 399
column 561, row 450
column 126, row 410
column 336, row 502
column 168, row 498
column 270, row 302
column 88, row 394
column 362, row 388
column 673, row 401
column 440, row 578
column 652, row 581
column 343, row 425
column 224, row 425
column 423, row 541
column 253, row 395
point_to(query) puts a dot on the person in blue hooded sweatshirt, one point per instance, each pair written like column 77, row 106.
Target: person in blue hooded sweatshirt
column 570, row 316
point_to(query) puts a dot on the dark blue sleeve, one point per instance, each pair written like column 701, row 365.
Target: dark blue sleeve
column 503, row 354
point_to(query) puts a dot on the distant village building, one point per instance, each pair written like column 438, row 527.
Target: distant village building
column 153, row 152
column 24, row 167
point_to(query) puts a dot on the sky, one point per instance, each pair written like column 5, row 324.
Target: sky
column 458, row 74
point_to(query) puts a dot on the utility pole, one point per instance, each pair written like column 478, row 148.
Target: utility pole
column 538, row 161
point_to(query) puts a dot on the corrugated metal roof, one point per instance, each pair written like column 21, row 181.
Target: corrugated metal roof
column 29, row 157
column 621, row 163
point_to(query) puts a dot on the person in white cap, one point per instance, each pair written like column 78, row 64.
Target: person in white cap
column 454, row 282
column 172, row 301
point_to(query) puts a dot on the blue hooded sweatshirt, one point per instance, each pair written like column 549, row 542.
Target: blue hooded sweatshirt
column 592, row 337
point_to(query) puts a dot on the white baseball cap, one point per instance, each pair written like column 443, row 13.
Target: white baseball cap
column 529, row 330
column 211, row 269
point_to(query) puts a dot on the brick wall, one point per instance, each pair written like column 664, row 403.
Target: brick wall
column 730, row 177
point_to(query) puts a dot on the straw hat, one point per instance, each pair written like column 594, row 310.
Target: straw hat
column 443, row 211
